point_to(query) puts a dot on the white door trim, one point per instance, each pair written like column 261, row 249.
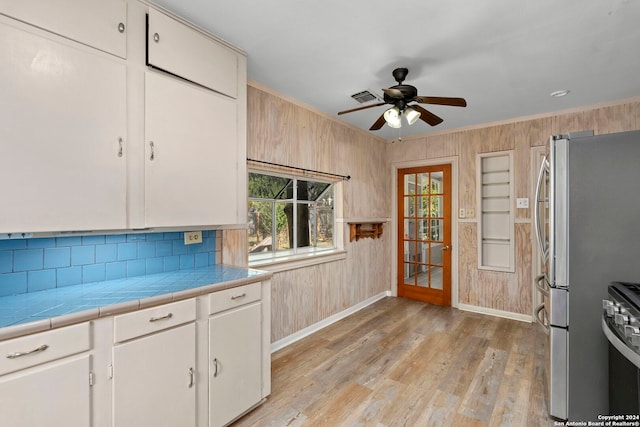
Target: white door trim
column 453, row 161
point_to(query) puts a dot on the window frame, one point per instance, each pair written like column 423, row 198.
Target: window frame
column 307, row 254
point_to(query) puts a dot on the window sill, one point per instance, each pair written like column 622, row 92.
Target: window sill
column 295, row 262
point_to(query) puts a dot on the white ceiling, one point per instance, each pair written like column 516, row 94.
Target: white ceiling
column 503, row 56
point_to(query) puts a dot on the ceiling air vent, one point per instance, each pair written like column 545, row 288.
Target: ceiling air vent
column 365, row 96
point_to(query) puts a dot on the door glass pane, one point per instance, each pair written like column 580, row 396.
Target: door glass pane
column 437, row 182
column 410, row 184
column 422, row 278
column 409, row 273
column 436, row 206
column 423, row 230
column 423, row 252
column 437, row 229
column 409, row 206
column 436, row 277
column 423, row 183
column 409, row 250
column 409, row 229
column 436, row 254
column 422, row 206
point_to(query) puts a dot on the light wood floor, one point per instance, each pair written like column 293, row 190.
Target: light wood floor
column 401, row 362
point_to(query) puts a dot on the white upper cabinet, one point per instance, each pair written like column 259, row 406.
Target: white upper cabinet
column 98, row 23
column 204, row 62
column 63, row 134
column 191, row 154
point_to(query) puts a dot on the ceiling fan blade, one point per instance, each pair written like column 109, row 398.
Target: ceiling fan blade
column 427, row 116
column 454, row 102
column 379, row 123
column 393, row 93
column 361, row 108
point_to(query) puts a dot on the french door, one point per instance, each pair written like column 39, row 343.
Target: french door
column 424, row 233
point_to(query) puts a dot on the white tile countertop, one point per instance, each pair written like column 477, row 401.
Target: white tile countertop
column 42, row 310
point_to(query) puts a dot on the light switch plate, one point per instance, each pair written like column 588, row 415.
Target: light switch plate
column 191, row 237
column 462, row 213
column 522, row 203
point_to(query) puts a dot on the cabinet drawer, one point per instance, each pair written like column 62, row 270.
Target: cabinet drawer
column 97, row 23
column 24, row 352
column 143, row 322
column 234, row 297
column 185, row 52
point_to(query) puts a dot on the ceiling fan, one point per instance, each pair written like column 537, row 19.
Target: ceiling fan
column 400, row 96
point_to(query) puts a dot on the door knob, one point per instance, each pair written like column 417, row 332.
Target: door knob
column 445, row 248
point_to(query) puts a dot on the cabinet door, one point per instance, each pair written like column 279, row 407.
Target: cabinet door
column 63, row 118
column 235, row 357
column 185, row 52
column 191, row 140
column 56, row 394
column 154, row 380
column 97, row 23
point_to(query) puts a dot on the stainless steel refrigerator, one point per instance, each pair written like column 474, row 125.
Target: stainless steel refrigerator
column 587, row 217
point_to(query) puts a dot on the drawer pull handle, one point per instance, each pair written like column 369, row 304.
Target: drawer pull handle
column 191, row 377
column 165, row 317
column 152, row 156
column 242, row 295
column 26, row 353
column 215, row 367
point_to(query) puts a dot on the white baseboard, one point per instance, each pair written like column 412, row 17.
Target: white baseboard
column 498, row 313
column 281, row 343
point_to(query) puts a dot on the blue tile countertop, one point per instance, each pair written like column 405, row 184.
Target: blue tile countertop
column 38, row 311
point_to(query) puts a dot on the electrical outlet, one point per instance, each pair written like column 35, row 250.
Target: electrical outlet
column 462, row 213
column 191, row 237
column 471, row 213
column 522, row 203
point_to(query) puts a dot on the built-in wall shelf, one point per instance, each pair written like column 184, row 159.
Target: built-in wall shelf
column 362, row 229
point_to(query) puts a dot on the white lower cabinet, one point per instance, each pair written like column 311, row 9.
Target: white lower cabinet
column 154, row 380
column 235, row 377
column 194, row 362
column 54, row 395
column 45, row 379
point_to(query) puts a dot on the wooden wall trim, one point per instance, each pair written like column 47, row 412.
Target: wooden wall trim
column 581, row 109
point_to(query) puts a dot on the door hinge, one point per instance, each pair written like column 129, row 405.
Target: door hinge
column 90, row 378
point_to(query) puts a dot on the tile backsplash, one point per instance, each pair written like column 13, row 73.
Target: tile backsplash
column 28, row 265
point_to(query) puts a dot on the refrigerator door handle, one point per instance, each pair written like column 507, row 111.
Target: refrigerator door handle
column 544, row 170
column 542, row 318
column 541, row 284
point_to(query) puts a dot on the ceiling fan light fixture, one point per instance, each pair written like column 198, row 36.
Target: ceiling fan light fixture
column 392, row 117
column 411, row 115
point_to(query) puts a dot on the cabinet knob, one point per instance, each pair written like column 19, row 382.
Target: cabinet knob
column 156, row 37
column 121, row 27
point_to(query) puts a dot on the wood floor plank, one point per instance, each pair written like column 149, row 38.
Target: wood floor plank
column 401, row 362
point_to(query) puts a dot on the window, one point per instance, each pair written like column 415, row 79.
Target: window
column 288, row 216
column 495, row 235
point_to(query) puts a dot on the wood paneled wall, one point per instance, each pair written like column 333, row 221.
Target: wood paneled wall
column 285, row 132
column 511, row 292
